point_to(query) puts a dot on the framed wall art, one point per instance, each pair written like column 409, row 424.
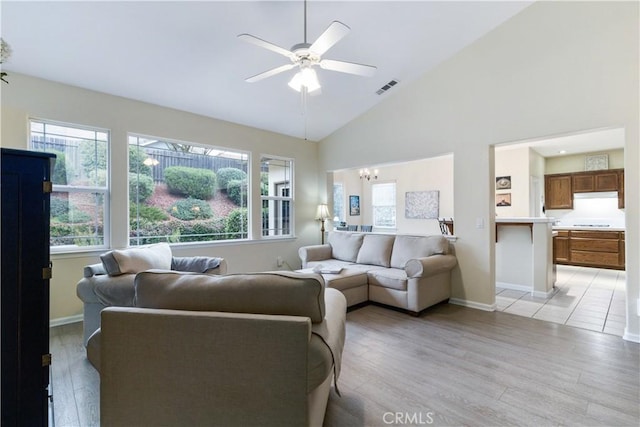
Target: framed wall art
column 503, row 199
column 354, row 205
column 503, row 182
column 421, row 204
column 595, row 163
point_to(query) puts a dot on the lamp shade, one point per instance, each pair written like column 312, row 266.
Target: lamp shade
column 322, row 213
column 306, row 77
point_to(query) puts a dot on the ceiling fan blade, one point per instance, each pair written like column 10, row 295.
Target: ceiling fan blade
column 348, row 67
column 270, row 73
column 332, row 35
column 267, row 45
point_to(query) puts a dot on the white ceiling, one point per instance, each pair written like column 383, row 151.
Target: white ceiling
column 588, row 141
column 186, row 55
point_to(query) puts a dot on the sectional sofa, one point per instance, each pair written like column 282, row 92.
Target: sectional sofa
column 407, row 272
column 235, row 350
column 111, row 282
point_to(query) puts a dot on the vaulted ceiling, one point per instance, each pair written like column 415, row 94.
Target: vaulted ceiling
column 186, row 55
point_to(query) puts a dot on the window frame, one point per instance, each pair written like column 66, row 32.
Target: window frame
column 374, row 206
column 279, row 199
column 248, row 161
column 78, row 189
column 342, row 202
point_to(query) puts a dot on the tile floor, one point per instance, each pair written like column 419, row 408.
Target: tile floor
column 588, row 298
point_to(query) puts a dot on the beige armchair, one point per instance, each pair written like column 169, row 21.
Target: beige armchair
column 238, row 350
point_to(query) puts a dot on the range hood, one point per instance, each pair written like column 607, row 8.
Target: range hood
column 596, row 195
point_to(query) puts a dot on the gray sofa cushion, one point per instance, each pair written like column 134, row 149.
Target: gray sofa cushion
column 409, row 247
column 376, row 250
column 345, row 246
column 135, row 260
column 388, row 278
column 283, row 293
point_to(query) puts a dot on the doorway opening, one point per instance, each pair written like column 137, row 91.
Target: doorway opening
column 585, row 294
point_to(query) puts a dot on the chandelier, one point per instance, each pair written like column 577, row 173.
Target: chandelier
column 365, row 174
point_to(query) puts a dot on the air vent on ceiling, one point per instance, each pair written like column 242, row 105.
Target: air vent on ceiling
column 386, row 87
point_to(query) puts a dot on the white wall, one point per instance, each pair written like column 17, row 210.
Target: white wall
column 28, row 97
column 591, row 209
column 419, row 175
column 513, row 161
column 556, row 68
column 575, row 162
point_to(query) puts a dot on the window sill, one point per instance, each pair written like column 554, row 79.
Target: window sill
column 82, row 253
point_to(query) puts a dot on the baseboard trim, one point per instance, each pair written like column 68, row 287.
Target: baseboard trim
column 513, row 286
column 545, row 295
column 65, row 320
column 473, row 304
column 630, row 337
column 524, row 288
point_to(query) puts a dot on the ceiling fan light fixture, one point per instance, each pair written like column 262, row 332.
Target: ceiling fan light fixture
column 306, row 77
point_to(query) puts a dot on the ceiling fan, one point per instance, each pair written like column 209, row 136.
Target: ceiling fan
column 306, row 56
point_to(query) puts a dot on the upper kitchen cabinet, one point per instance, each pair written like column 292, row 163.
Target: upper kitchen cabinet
column 620, row 188
column 560, row 188
column 596, row 181
column 558, row 191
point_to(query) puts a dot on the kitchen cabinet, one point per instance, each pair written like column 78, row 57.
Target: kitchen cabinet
column 590, row 248
column 621, row 189
column 596, row 181
column 558, row 191
column 560, row 188
column 24, row 287
column 561, row 247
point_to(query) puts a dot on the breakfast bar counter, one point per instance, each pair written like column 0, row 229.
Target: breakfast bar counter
column 524, row 255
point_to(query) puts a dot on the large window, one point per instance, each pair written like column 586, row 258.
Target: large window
column 183, row 192
column 338, row 201
column 79, row 202
column 276, row 190
column 383, row 201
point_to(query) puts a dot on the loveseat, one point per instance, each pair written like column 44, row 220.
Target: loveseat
column 407, row 272
column 110, row 283
column 235, row 350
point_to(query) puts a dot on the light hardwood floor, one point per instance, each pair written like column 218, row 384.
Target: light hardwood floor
column 451, row 366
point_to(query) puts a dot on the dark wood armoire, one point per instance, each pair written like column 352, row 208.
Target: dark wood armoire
column 26, row 269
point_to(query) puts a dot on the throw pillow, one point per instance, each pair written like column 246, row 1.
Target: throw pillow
column 376, row 250
column 345, row 246
column 410, row 247
column 135, row 260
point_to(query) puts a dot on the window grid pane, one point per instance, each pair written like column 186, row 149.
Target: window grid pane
column 79, row 203
column 383, row 198
column 277, row 196
column 182, row 192
column 338, row 201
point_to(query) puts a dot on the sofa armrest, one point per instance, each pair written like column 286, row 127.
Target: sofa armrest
column 107, row 290
column 429, row 266
column 199, row 264
column 93, row 270
column 314, row 253
column 333, row 329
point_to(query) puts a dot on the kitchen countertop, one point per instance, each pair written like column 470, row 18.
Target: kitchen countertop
column 583, row 228
column 523, row 219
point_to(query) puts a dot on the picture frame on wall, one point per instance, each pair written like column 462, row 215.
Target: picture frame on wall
column 354, row 205
column 596, row 162
column 503, row 199
column 503, row 182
